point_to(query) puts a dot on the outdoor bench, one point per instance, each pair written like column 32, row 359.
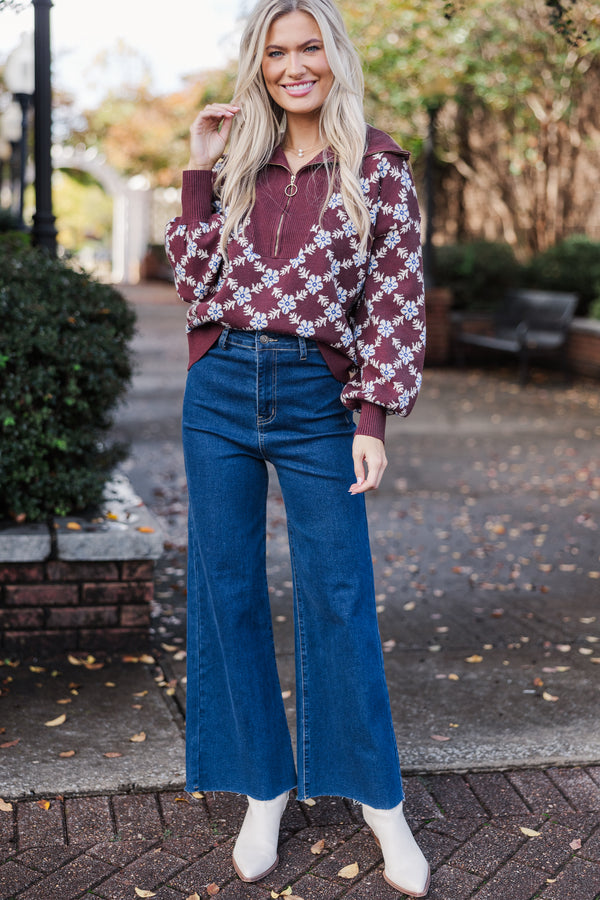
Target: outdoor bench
column 529, row 323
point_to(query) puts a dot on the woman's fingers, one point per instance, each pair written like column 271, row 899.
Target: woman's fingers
column 209, row 133
column 370, row 462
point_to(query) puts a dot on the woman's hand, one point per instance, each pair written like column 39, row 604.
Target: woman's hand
column 369, row 450
column 209, row 134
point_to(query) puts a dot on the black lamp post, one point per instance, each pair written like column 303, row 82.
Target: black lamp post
column 43, row 231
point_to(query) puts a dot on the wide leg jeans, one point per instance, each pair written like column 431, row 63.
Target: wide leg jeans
column 258, row 397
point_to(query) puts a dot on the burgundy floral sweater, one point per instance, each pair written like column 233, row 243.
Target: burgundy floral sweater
column 296, row 273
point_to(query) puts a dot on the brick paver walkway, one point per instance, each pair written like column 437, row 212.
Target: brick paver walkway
column 489, row 836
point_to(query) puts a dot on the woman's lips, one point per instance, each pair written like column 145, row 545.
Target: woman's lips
column 299, row 89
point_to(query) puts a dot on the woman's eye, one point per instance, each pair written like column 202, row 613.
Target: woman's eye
column 274, row 54
column 313, row 48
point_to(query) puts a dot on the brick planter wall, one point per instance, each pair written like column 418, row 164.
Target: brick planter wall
column 49, row 607
column 80, row 584
column 583, row 348
column 438, row 302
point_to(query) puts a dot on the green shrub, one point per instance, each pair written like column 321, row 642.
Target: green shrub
column 64, row 364
column 594, row 310
column 571, row 265
column 478, row 273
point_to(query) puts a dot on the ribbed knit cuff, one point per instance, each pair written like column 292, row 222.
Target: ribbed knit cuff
column 196, row 195
column 372, row 420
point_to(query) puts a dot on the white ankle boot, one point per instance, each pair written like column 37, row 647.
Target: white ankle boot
column 406, row 869
column 255, row 851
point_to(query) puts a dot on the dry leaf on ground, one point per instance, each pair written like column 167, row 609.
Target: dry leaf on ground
column 43, row 804
column 58, row 721
column 439, row 737
column 318, row 847
column 142, row 893
column 8, row 744
column 550, row 697
column 529, row 832
column 576, row 844
column 66, row 754
column 4, row 806
column 193, row 896
column 112, row 754
column 474, row 659
column 350, row 871
column 138, row 738
column 212, row 889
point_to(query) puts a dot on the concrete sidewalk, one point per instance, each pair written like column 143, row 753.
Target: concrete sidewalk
column 487, row 560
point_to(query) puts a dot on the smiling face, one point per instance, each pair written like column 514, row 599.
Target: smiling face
column 294, row 66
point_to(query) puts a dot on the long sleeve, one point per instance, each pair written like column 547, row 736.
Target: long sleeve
column 389, row 320
column 192, row 239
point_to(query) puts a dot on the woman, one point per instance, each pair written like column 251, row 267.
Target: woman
column 299, row 252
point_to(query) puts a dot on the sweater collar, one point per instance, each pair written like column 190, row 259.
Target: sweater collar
column 377, row 142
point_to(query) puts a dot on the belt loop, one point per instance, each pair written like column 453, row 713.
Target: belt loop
column 302, row 345
column 223, row 337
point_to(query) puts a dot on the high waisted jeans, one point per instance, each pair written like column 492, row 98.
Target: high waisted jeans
column 255, row 398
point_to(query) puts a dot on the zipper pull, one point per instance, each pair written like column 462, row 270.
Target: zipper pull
column 292, row 188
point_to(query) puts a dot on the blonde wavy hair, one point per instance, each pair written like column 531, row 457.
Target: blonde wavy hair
column 261, row 123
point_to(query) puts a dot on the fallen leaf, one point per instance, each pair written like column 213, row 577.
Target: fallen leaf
column 112, row 754
column 146, row 658
column 212, row 889
column 181, row 800
column 285, row 695
column 43, row 804
column 551, row 880
column 67, row 754
column 350, row 871
column 4, row 806
column 529, row 832
column 138, row 738
column 563, row 648
column 170, row 648
column 193, row 896
column 140, row 693
column 8, row 744
column 145, row 529
column 453, row 677
column 318, row 847
column 109, row 684
column 180, row 655
column 74, row 526
column 36, row 669
column 576, row 844
column 74, row 661
column 538, row 682
column 474, row 659
column 197, row 795
column 439, row 737
column 60, row 720
column 310, row 802
column 142, row 893
column 66, row 700
column 550, row 697
column 130, row 659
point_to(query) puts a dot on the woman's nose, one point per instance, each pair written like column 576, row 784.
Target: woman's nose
column 295, row 65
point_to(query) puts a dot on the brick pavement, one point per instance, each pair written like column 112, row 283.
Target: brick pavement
column 174, row 846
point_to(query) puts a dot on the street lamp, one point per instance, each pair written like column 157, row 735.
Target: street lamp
column 10, row 140
column 19, row 79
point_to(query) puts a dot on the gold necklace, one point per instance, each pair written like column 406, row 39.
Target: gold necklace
column 301, row 151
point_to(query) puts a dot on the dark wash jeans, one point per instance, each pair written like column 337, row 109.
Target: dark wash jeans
column 256, row 397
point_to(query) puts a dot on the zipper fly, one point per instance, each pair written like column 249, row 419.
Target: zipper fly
column 290, row 191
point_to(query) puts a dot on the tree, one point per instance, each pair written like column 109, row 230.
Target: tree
column 517, row 120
